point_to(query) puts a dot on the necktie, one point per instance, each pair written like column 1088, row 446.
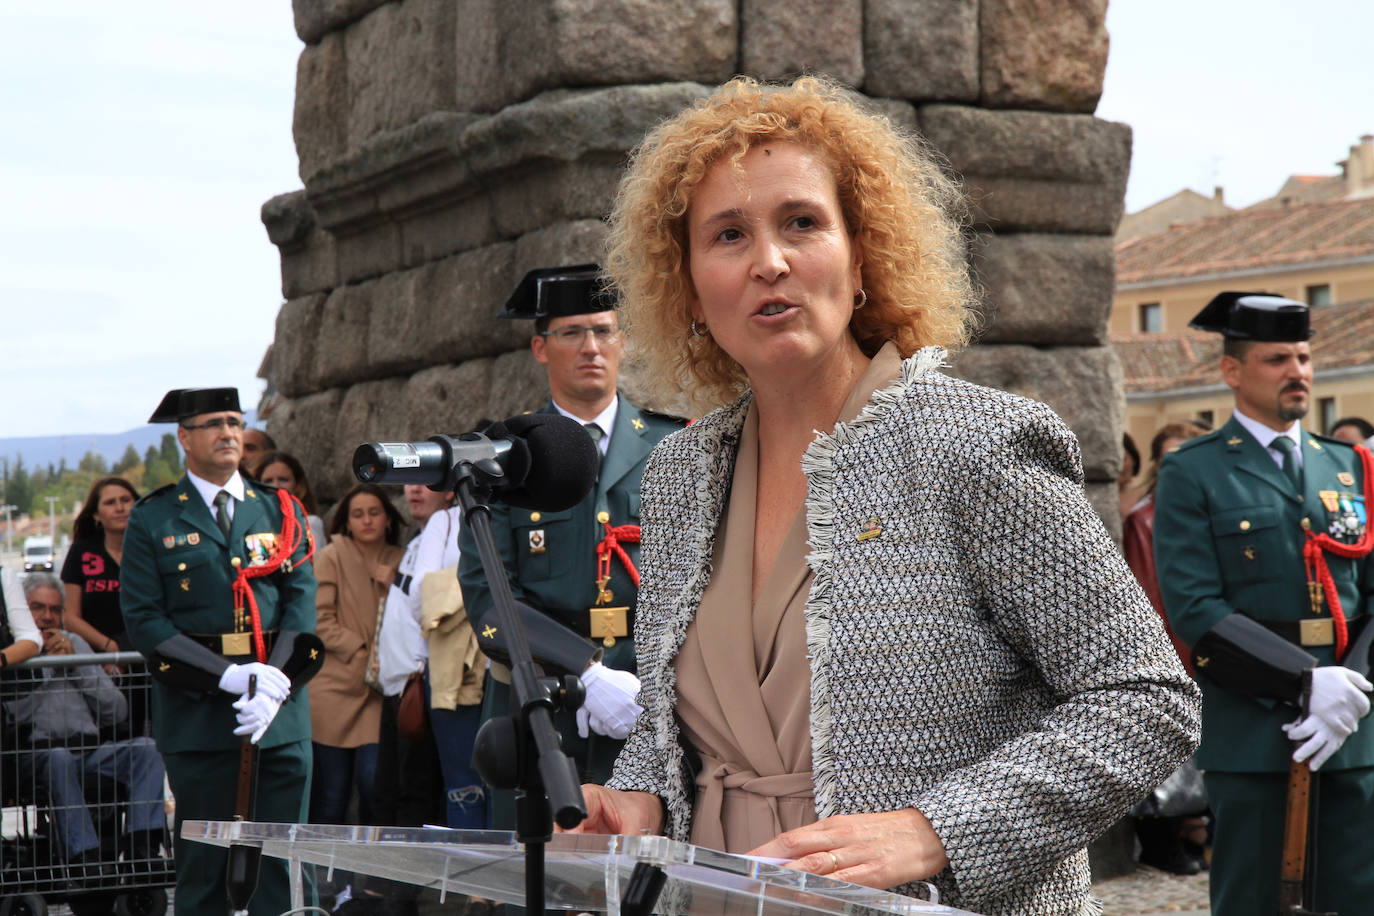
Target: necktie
column 222, row 512
column 595, row 432
column 1290, row 465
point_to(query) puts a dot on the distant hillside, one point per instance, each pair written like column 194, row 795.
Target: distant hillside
column 40, row 451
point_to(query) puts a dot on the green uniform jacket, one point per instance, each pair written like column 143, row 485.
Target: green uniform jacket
column 550, row 557
column 176, row 575
column 1228, row 537
column 560, row 578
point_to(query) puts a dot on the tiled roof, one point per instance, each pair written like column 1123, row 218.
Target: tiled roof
column 1251, row 239
column 1188, row 359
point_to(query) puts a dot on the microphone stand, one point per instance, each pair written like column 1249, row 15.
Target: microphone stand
column 546, row 782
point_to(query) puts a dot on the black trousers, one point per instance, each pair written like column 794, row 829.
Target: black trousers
column 408, row 789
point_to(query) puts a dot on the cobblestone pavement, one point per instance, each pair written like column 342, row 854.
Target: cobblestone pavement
column 1148, row 890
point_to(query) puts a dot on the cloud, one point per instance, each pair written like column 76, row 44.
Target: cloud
column 141, row 140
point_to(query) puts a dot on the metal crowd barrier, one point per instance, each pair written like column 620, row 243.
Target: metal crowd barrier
column 127, row 871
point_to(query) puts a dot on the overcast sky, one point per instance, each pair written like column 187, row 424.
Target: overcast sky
column 138, row 141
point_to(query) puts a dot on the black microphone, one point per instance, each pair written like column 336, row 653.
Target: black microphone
column 533, row 461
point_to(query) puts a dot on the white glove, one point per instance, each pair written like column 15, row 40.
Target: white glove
column 271, row 681
column 255, row 714
column 1335, row 708
column 610, row 708
column 1338, row 697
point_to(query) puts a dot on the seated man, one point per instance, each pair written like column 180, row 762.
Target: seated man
column 62, row 717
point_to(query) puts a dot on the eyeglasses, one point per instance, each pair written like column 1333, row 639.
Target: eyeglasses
column 219, row 424
column 572, row 336
column 39, row 607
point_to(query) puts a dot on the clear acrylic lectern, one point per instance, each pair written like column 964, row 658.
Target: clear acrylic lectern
column 583, row 872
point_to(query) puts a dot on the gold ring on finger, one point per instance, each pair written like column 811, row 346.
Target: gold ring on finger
column 834, row 862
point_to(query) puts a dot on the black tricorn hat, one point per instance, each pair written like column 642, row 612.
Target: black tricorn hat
column 550, row 292
column 180, row 403
column 1255, row 316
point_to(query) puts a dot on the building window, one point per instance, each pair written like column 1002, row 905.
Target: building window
column 1206, row 416
column 1326, row 412
column 1151, row 321
column 1319, row 294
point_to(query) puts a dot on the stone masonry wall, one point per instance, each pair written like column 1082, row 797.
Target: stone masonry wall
column 447, row 146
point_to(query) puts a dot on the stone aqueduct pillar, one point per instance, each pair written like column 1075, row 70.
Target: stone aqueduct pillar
column 447, row 146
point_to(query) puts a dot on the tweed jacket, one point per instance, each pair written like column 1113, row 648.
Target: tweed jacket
column 987, row 657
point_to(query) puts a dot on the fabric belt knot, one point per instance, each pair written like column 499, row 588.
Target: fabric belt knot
column 222, row 512
column 1284, row 445
column 719, row 779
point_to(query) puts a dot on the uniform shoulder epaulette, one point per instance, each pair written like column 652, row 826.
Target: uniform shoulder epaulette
column 1330, row 440
column 1198, row 440
column 165, row 488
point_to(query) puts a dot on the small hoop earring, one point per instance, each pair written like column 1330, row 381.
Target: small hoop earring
column 863, row 299
column 699, row 330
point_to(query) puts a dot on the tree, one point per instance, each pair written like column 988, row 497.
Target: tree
column 20, row 491
column 171, row 453
column 150, row 455
column 94, row 463
column 127, row 462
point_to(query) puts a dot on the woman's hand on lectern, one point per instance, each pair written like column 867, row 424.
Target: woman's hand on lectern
column 614, row 811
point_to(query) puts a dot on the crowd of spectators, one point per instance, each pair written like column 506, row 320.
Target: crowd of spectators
column 372, row 617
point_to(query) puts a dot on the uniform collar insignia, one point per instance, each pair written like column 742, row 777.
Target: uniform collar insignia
column 1234, row 440
column 183, row 497
column 637, row 423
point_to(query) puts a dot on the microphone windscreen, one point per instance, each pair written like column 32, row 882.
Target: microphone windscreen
column 563, row 461
column 516, row 460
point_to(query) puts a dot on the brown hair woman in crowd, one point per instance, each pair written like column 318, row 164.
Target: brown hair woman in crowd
column 354, row 572
column 91, row 571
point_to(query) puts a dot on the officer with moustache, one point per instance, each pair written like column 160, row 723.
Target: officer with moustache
column 217, row 595
column 576, row 568
column 1249, row 520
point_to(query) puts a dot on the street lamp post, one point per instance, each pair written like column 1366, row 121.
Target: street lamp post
column 9, row 529
column 52, row 521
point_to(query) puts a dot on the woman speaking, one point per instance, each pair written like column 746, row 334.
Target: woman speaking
column 881, row 632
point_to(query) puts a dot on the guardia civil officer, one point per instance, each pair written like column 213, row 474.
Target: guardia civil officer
column 215, row 590
column 576, row 567
column 1248, row 521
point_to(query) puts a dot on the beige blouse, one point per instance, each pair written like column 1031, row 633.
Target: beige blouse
column 742, row 673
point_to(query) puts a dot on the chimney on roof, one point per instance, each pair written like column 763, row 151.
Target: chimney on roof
column 1359, row 168
column 1218, row 195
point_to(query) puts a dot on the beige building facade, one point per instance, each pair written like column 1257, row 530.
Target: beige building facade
column 1319, row 253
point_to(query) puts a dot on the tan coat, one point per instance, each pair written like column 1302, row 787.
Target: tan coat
column 344, row 711
column 457, row 666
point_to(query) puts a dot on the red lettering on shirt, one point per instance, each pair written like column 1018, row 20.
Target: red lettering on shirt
column 92, row 564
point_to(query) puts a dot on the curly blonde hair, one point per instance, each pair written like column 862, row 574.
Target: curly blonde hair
column 903, row 208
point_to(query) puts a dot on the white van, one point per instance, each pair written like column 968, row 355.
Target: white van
column 38, row 553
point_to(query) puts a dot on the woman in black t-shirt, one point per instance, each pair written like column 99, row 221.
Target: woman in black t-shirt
column 91, row 572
